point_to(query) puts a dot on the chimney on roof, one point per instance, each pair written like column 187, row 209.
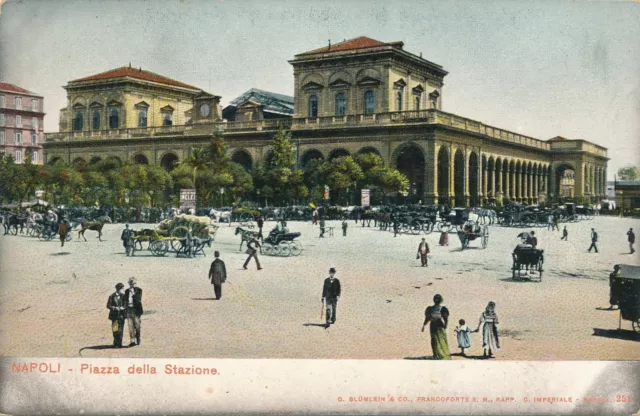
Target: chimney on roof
column 129, row 64
column 329, row 44
column 140, row 70
column 420, row 54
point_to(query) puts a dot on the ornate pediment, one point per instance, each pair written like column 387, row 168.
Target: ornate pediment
column 339, row 83
column 400, row 83
column 312, row 86
column 418, row 90
column 142, row 105
column 114, row 103
column 167, row 109
column 249, row 104
column 434, row 94
column 96, row 104
column 78, row 106
column 368, row 81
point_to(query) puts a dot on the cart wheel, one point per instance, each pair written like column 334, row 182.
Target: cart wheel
column 444, row 227
column 636, row 325
column 513, row 271
column 158, row 247
column 416, row 227
column 485, row 236
column 427, row 227
column 275, row 250
column 177, row 235
column 267, row 249
column 285, row 249
column 68, row 237
column 296, row 248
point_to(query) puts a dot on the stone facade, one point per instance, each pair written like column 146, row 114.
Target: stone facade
column 447, row 158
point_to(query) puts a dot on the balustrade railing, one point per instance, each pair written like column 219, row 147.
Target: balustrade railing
column 427, row 116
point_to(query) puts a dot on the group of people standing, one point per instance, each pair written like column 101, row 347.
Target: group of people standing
column 437, row 316
column 125, row 305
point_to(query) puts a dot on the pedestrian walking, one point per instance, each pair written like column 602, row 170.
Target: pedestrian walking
column 444, row 238
column 344, row 228
column 188, row 244
column 63, row 230
column 127, row 240
column 614, row 286
column 423, row 251
column 565, row 234
column 260, row 223
column 631, row 238
column 438, row 317
column 396, row 227
column 490, row 338
column 462, row 332
column 550, row 222
column 331, row 291
column 322, row 224
column 252, row 251
column 133, row 302
column 594, row 240
column 217, row 274
column 117, row 314
column 315, row 216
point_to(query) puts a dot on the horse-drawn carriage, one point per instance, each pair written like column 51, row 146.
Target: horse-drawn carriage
column 472, row 231
column 627, row 291
column 176, row 241
column 529, row 260
column 280, row 243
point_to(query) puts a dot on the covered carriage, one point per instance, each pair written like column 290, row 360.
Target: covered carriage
column 627, row 289
column 528, row 260
column 473, row 231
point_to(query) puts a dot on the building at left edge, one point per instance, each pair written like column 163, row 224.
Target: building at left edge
column 21, row 123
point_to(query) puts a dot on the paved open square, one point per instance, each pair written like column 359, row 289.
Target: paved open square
column 53, row 301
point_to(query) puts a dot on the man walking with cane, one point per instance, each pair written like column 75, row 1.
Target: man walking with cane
column 330, row 296
column 631, row 237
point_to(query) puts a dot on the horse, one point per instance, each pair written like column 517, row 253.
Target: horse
column 486, row 214
column 246, row 235
column 199, row 243
column 221, row 216
column 93, row 226
column 15, row 220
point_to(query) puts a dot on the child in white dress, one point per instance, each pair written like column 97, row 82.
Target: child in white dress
column 462, row 332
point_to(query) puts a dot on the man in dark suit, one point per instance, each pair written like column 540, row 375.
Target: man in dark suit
column 115, row 304
column 217, row 275
column 127, row 240
column 260, row 222
column 594, row 240
column 330, row 296
column 133, row 302
column 423, row 250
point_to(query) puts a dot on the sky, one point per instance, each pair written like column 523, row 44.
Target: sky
column 543, row 69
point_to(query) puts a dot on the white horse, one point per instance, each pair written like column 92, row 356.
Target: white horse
column 220, row 216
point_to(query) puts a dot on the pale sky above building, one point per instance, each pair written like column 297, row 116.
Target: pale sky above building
column 543, row 69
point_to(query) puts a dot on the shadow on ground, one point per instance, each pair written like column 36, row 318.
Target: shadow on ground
column 99, row 347
column 617, row 334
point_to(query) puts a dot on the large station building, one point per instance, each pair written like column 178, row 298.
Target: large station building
column 360, row 95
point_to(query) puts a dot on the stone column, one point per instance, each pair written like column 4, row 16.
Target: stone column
column 536, row 184
column 485, row 190
column 509, row 183
column 431, row 174
column 525, row 186
column 466, row 178
column 499, row 184
column 530, row 186
column 452, row 178
column 493, row 181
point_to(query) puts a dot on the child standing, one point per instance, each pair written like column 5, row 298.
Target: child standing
column 344, row 228
column 462, row 332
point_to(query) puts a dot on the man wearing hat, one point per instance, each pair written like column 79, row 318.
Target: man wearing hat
column 115, row 304
column 423, row 250
column 127, row 239
column 133, row 303
column 330, row 296
column 217, row 275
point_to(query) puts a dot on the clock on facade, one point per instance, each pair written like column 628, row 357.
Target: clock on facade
column 205, row 110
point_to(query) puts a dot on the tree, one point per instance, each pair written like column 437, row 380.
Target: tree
column 279, row 179
column 629, row 173
column 342, row 173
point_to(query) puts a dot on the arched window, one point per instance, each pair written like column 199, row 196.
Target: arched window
column 313, row 106
column 398, row 100
column 168, row 119
column 341, row 104
column 114, row 118
column 142, row 117
column 95, row 120
column 78, row 121
column 369, row 102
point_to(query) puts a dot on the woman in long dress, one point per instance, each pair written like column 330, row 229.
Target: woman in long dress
column 490, row 339
column 438, row 315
